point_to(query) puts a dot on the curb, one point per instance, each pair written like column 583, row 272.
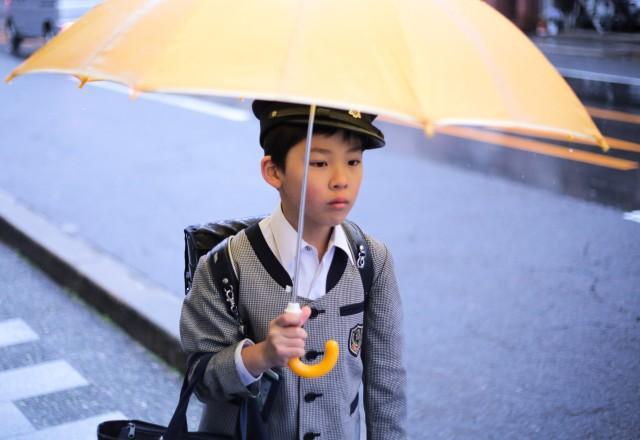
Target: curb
column 147, row 312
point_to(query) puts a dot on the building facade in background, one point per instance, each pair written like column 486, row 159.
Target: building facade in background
column 524, row 13
column 553, row 16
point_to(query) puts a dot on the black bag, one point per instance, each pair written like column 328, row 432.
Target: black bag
column 177, row 429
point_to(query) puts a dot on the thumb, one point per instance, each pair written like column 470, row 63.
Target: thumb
column 304, row 316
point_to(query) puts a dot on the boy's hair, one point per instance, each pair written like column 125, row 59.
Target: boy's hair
column 279, row 141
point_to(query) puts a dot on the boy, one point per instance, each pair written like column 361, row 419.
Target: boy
column 368, row 330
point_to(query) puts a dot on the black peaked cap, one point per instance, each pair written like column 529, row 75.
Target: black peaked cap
column 274, row 113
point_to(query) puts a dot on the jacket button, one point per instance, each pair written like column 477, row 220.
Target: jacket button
column 311, row 435
column 310, row 397
column 311, row 355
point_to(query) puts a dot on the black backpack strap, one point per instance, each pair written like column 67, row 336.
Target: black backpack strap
column 361, row 252
column 225, row 279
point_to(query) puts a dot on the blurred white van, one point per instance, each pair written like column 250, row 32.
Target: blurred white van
column 40, row 18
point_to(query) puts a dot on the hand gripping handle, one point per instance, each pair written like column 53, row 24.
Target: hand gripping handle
column 331, row 352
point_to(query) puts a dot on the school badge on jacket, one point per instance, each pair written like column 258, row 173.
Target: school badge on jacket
column 355, row 340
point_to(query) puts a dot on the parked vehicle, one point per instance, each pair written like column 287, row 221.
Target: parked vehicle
column 40, row 18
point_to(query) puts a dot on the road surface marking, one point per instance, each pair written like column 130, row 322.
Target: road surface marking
column 614, row 115
column 13, row 421
column 503, row 140
column 15, row 331
column 598, row 76
column 614, row 143
column 79, row 430
column 539, row 147
column 44, row 378
column 184, row 102
column 633, row 216
column 621, row 144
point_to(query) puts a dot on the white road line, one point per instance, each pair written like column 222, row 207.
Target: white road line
column 13, row 421
column 184, row 102
column 44, row 378
column 633, row 216
column 598, row 76
column 15, row 331
column 79, row 430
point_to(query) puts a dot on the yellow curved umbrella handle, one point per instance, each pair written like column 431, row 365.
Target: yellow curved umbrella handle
column 331, row 351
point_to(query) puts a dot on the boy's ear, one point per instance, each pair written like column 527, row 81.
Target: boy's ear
column 270, row 172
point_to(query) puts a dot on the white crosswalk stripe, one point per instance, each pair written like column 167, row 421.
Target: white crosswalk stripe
column 44, row 378
column 200, row 105
column 15, row 331
column 13, row 421
column 79, row 430
column 37, row 380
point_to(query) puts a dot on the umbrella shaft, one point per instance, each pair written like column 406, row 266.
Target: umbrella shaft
column 303, row 197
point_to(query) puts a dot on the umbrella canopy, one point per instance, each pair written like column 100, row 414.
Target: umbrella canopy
column 430, row 62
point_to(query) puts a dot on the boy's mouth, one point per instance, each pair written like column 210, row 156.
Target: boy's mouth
column 339, row 203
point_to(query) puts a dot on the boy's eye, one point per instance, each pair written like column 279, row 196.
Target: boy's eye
column 318, row 163
column 354, row 162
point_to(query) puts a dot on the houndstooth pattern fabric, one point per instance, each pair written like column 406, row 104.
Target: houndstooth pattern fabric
column 328, row 409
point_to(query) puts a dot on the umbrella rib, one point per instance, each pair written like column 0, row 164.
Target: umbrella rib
column 466, row 27
column 423, row 120
column 284, row 70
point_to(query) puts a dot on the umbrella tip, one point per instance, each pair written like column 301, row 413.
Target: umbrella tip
column 429, row 128
column 602, row 142
column 134, row 93
column 9, row 78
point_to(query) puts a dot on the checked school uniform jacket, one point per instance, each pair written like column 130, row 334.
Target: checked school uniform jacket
column 369, row 334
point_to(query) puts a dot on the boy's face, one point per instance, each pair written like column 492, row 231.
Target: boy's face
column 335, row 173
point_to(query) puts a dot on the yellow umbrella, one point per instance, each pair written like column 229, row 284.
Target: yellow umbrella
column 430, row 62
column 427, row 62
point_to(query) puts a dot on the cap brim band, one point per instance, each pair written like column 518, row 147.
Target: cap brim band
column 325, row 118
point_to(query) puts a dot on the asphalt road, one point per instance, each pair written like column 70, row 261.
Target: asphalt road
column 522, row 313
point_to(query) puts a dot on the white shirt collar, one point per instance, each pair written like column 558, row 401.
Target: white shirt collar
column 285, row 238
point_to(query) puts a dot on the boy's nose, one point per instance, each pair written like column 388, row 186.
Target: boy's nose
column 339, row 179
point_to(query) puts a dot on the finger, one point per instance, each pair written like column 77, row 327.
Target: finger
column 284, row 351
column 292, row 344
column 289, row 338
column 294, row 333
column 288, row 320
column 294, row 352
column 306, row 312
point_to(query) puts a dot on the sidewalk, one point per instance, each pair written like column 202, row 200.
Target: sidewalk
column 56, row 380
column 147, row 312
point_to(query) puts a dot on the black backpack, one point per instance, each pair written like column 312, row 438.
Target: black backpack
column 213, row 237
